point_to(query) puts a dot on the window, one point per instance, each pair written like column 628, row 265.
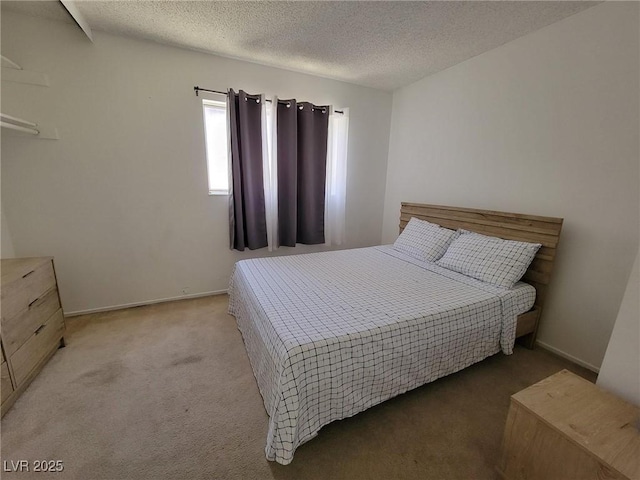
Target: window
column 215, row 125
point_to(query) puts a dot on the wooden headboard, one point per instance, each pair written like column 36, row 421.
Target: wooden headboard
column 510, row 226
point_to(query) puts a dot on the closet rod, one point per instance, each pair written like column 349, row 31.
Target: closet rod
column 12, row 126
column 197, row 89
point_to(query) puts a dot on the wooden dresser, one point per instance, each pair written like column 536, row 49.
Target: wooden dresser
column 32, row 326
column 565, row 427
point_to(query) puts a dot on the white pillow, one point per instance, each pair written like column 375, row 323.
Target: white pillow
column 490, row 259
column 424, row 241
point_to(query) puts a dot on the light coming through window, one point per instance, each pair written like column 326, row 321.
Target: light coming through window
column 215, row 123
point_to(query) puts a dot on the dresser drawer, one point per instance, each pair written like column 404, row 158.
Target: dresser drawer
column 41, row 342
column 5, row 382
column 20, row 293
column 19, row 328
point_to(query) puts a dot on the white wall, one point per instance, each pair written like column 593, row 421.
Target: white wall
column 121, row 199
column 620, row 370
column 6, row 243
column 546, row 124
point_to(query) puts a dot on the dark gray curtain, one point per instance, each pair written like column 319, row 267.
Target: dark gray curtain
column 302, row 165
column 287, row 134
column 248, row 226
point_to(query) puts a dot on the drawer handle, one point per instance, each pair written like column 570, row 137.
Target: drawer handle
column 40, row 328
column 27, row 274
column 34, row 302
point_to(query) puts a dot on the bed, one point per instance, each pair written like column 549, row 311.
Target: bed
column 331, row 334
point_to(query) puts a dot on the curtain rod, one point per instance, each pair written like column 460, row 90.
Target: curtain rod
column 197, row 89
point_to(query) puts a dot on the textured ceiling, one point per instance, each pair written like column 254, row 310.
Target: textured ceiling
column 378, row 44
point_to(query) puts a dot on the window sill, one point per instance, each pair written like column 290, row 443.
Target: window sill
column 218, row 193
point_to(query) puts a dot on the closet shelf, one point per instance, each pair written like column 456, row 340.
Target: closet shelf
column 8, row 63
column 12, row 72
column 17, row 121
column 14, row 126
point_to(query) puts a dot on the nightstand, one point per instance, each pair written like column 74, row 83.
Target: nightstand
column 565, row 427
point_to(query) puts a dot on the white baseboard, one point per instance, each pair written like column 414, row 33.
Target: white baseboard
column 139, row 304
column 562, row 354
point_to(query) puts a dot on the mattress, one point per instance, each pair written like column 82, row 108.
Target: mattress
column 331, row 334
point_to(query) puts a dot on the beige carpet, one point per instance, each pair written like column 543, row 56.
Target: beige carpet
column 166, row 391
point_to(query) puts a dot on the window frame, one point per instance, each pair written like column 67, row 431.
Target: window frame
column 207, row 102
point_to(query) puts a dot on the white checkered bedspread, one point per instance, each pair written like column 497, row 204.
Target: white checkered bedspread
column 331, row 334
